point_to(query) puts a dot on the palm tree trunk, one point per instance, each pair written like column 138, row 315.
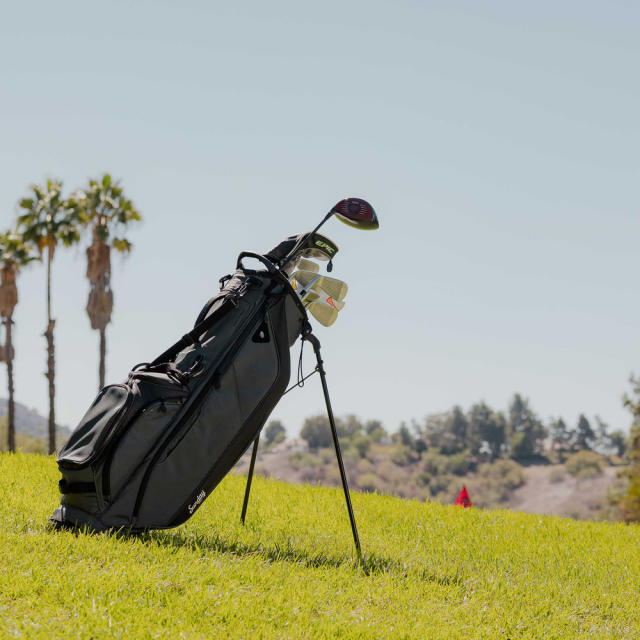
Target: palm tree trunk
column 103, row 352
column 11, row 425
column 51, row 360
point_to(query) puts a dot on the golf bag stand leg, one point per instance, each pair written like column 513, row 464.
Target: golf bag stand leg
column 315, row 343
column 307, row 335
column 252, row 465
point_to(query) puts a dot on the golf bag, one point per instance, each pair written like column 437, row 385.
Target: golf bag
column 148, row 451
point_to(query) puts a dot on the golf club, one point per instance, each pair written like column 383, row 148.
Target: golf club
column 302, row 281
column 355, row 212
column 323, row 313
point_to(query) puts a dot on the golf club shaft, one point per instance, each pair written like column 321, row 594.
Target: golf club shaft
column 302, row 240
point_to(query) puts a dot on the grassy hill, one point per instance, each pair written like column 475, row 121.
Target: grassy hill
column 430, row 571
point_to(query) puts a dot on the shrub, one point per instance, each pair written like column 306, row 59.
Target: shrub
column 506, row 472
column 403, row 455
column 369, row 482
column 361, row 444
column 316, row 432
column 378, row 434
column 437, row 463
column 274, row 433
column 301, row 460
column 495, row 483
column 557, row 474
column 584, row 464
column 440, row 484
column 365, row 466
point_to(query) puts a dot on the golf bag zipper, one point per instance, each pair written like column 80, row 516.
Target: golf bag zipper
column 215, row 376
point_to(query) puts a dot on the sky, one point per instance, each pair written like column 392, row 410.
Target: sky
column 497, row 141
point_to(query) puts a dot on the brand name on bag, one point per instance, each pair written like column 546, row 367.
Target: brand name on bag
column 199, row 498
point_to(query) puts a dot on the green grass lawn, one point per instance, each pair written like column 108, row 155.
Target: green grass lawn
column 429, row 571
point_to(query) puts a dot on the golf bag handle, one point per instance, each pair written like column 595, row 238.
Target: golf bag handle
column 249, row 254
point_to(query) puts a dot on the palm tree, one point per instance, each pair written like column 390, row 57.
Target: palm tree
column 46, row 221
column 14, row 254
column 104, row 208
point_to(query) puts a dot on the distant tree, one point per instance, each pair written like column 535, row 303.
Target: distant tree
column 630, row 503
column 560, row 435
column 47, row 221
column 618, row 441
column 459, row 427
column 14, row 254
column 103, row 207
column 403, row 436
column 361, row 443
column 435, row 431
column 348, row 427
column 584, row 435
column 316, row 431
column 375, row 430
column 372, row 425
column 526, row 431
column 486, row 431
column 274, row 432
column 446, row 432
column 609, row 442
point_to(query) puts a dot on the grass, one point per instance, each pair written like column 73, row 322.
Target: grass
column 430, row 571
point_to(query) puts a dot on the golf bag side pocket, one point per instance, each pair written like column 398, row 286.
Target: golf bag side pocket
column 96, row 428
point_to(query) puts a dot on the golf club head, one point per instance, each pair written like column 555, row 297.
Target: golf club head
column 356, row 212
column 302, row 264
column 302, row 281
column 318, row 296
column 307, row 265
column 324, row 314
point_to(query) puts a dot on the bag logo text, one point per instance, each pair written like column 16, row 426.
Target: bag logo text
column 199, row 498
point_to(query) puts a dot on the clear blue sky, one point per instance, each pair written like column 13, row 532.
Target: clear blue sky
column 498, row 141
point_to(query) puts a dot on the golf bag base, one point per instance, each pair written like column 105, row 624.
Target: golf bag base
column 68, row 517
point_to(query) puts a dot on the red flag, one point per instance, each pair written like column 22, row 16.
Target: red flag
column 463, row 499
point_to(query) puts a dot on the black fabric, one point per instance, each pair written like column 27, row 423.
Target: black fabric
column 149, row 450
column 76, row 487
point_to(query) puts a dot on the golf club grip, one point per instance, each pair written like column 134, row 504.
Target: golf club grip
column 249, row 254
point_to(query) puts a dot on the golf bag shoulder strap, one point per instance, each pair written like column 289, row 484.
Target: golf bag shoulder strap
column 195, row 333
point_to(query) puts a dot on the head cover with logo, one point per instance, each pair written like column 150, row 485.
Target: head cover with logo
column 314, row 246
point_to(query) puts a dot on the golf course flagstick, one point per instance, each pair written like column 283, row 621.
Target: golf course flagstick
column 315, row 343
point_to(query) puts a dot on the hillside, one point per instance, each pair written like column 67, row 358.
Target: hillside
column 430, row 571
column 30, row 422
column 543, row 489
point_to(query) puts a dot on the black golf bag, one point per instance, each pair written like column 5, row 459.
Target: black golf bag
column 149, row 451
